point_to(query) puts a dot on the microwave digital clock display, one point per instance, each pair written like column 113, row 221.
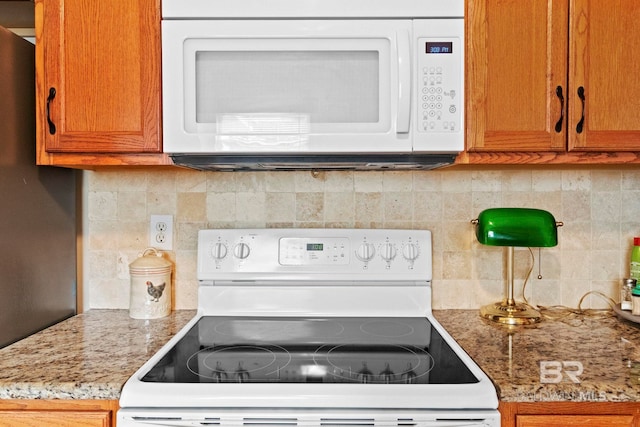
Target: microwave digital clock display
column 439, row 47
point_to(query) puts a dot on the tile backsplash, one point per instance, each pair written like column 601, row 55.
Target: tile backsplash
column 600, row 209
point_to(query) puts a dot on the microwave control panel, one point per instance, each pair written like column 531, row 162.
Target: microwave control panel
column 440, row 85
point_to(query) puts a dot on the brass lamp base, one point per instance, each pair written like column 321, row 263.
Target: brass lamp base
column 510, row 314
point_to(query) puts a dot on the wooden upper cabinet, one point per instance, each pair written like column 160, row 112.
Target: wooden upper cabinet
column 530, row 64
column 98, row 81
column 605, row 61
column 516, row 59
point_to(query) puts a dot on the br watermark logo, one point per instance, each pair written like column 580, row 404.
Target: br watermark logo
column 555, row 371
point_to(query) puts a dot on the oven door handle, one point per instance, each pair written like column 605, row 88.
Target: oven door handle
column 403, row 49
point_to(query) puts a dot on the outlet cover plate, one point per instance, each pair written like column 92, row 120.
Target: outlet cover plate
column 161, row 232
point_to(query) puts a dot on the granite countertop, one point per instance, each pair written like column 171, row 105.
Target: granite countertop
column 606, row 349
column 91, row 355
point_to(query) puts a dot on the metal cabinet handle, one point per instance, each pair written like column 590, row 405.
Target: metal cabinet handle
column 561, row 119
column 52, row 95
column 580, row 124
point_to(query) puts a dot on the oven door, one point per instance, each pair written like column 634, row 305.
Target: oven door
column 286, row 86
column 292, row 418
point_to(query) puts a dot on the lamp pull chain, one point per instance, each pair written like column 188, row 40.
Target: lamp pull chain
column 539, row 264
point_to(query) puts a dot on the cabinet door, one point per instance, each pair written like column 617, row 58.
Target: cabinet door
column 98, row 83
column 604, row 64
column 516, row 59
column 55, row 418
column 574, row 421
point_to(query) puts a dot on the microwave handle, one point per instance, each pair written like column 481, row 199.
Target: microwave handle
column 404, row 81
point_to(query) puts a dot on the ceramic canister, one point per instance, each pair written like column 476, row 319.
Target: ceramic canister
column 150, row 296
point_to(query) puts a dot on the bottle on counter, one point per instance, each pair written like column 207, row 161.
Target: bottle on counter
column 634, row 268
column 626, row 302
column 635, row 296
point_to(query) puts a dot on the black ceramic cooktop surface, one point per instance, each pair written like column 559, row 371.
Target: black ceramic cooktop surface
column 395, row 350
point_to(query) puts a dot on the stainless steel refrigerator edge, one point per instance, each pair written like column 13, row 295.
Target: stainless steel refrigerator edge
column 37, row 209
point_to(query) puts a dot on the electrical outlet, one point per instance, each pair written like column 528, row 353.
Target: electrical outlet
column 161, row 232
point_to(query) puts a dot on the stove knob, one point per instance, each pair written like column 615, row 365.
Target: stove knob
column 219, row 251
column 241, row 251
column 388, row 251
column 366, row 252
column 411, row 251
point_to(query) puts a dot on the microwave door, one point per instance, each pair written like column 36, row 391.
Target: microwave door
column 287, row 86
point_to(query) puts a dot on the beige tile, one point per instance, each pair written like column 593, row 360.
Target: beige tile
column 398, row 206
column 339, row 182
column 427, row 206
column 132, row 206
column 369, row 207
column 456, row 181
column 161, row 203
column 339, row 207
column 250, row 182
column 368, row 182
column 546, row 180
column 103, row 205
column 397, row 182
column 308, row 182
column 576, row 180
column 191, row 182
column 280, row 182
column 250, row 208
column 162, row 181
column 309, row 207
column 427, row 181
column 280, row 207
column 221, row 182
column 192, row 207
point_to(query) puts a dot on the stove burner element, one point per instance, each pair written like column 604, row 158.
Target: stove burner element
column 387, row 329
column 387, row 375
column 409, row 376
column 365, row 374
column 249, row 363
column 345, row 363
column 219, row 374
column 241, row 374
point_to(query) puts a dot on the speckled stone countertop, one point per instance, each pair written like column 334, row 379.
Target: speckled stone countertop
column 607, row 350
column 90, row 356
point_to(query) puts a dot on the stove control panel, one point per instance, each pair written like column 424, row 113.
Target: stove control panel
column 309, row 254
column 314, row 251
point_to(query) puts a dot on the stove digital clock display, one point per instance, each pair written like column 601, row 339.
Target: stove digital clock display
column 315, row 246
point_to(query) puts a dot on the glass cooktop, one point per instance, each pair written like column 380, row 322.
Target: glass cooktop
column 311, row 350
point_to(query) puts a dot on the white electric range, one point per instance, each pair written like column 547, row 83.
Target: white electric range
column 311, row 327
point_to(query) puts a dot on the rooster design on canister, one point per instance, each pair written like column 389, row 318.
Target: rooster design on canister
column 155, row 291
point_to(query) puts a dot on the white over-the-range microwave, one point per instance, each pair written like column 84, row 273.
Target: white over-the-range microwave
column 315, row 84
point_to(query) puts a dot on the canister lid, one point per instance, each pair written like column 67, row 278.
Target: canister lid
column 636, row 241
column 150, row 261
column 636, row 291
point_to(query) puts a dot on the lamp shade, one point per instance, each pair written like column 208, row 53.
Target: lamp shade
column 517, row 227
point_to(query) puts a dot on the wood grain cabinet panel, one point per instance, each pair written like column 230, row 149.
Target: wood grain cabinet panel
column 54, row 419
column 570, row 414
column 574, row 421
column 98, row 82
column 57, row 413
column 554, row 76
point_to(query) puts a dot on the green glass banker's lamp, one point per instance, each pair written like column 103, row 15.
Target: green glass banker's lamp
column 512, row 227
